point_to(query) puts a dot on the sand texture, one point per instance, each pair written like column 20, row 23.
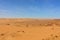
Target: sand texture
column 29, row 29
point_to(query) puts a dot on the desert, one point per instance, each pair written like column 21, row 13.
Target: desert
column 29, row 29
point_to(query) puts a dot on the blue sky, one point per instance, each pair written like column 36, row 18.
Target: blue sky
column 29, row 8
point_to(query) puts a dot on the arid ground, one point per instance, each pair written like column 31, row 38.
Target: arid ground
column 29, row 29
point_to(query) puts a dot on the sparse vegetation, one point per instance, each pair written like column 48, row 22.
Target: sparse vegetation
column 2, row 34
column 23, row 31
column 27, row 25
column 37, row 29
column 8, row 24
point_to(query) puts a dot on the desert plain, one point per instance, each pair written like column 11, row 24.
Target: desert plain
column 29, row 29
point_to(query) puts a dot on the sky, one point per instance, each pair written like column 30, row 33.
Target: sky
column 29, row 8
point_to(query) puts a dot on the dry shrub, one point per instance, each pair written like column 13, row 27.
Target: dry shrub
column 2, row 34
column 41, row 24
column 8, row 24
column 23, row 31
column 57, row 24
column 27, row 25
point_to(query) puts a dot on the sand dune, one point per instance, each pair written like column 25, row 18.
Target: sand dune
column 29, row 29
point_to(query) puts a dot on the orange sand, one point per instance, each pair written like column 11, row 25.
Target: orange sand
column 29, row 29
